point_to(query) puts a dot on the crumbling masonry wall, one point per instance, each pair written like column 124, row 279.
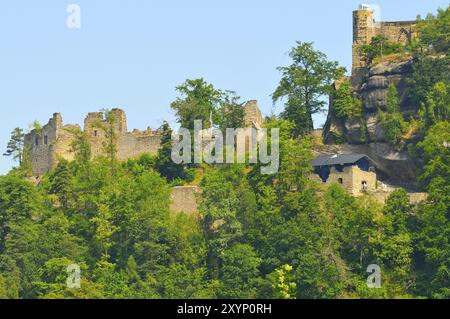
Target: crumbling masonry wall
column 253, row 116
column 129, row 144
column 351, row 179
column 365, row 28
column 47, row 146
column 184, row 199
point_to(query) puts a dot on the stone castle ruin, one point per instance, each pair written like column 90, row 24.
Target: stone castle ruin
column 370, row 82
column 353, row 171
column 53, row 142
column 365, row 28
column 48, row 145
column 364, row 135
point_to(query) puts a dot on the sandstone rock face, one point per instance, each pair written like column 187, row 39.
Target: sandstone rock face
column 390, row 68
column 398, row 165
column 373, row 94
column 374, row 128
column 365, row 135
column 354, row 131
column 374, row 89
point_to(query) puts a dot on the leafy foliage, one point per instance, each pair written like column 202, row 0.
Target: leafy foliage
column 199, row 100
column 256, row 236
column 15, row 146
column 164, row 164
column 427, row 71
column 392, row 121
column 434, row 31
column 436, row 107
column 304, row 83
column 345, row 104
column 379, row 46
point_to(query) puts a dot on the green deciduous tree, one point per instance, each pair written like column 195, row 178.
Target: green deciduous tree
column 219, row 208
column 239, row 272
column 434, row 150
column 82, row 149
column 434, row 30
column 164, row 163
column 379, row 46
column 199, row 100
column 304, row 84
column 427, row 71
column 345, row 104
column 62, row 183
column 436, row 107
column 231, row 112
column 284, row 286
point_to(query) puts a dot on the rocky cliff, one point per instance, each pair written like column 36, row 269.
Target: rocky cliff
column 365, row 134
column 372, row 91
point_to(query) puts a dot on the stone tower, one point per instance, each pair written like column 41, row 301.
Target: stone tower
column 47, row 145
column 365, row 28
column 363, row 32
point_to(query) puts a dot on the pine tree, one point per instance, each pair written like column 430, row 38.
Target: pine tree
column 15, row 146
column 61, row 181
column 164, row 164
column 392, row 121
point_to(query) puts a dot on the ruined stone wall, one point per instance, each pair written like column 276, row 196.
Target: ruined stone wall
column 414, row 198
column 351, row 179
column 62, row 148
column 345, row 178
column 365, row 28
column 252, row 114
column 134, row 144
column 54, row 141
column 363, row 32
column 47, row 147
column 129, row 144
column 358, row 176
column 399, row 31
column 184, row 199
column 95, row 135
column 40, row 145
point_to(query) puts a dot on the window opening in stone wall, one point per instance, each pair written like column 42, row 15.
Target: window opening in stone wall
column 364, row 185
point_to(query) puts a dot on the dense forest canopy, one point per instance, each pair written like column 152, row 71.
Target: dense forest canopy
column 256, row 236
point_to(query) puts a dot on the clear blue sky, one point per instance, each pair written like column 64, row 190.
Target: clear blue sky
column 131, row 54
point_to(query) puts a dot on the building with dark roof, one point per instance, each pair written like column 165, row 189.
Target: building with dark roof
column 353, row 171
